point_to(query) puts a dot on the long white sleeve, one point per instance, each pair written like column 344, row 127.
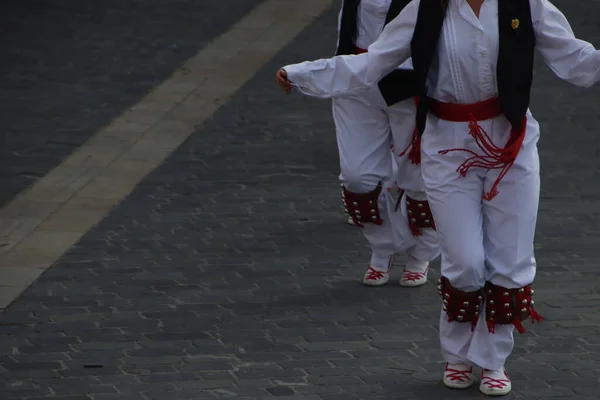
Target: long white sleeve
column 571, row 59
column 350, row 74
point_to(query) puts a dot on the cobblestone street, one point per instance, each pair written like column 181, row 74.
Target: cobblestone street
column 229, row 271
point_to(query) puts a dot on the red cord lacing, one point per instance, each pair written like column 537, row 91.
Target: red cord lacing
column 375, row 274
column 413, row 276
column 494, row 157
column 492, row 383
column 457, row 375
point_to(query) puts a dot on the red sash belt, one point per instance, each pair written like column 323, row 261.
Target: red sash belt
column 481, row 111
column 493, row 157
column 358, row 50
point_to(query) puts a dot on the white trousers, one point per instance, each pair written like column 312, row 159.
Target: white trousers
column 481, row 240
column 365, row 129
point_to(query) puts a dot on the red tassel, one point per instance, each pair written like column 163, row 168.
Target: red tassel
column 415, row 143
column 535, row 317
column 415, row 153
column 494, row 157
column 517, row 323
column 415, row 148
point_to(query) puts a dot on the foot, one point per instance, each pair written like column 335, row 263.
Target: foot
column 377, row 277
column 495, row 382
column 351, row 221
column 414, row 275
column 458, row 376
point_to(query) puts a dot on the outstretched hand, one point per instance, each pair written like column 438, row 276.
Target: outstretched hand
column 282, row 80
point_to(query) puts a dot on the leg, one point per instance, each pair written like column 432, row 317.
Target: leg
column 455, row 206
column 409, row 178
column 419, row 219
column 363, row 136
column 509, row 229
column 455, row 202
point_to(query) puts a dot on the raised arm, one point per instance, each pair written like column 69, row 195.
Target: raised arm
column 348, row 74
column 571, row 59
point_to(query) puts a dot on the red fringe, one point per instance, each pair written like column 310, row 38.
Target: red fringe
column 415, row 143
column 493, row 157
column 415, row 148
column 535, row 317
column 520, row 328
column 415, row 153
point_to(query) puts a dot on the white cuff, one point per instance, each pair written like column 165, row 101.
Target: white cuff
column 295, row 73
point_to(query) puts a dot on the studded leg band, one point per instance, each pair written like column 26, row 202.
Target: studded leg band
column 460, row 306
column 362, row 207
column 509, row 306
column 419, row 215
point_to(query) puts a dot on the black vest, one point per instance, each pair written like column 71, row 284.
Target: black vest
column 398, row 85
column 515, row 57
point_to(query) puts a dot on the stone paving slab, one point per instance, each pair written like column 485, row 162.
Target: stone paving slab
column 230, row 272
column 44, row 222
column 69, row 67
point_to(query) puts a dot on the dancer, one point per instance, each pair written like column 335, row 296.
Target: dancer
column 479, row 154
column 367, row 125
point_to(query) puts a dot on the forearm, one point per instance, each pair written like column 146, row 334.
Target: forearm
column 334, row 77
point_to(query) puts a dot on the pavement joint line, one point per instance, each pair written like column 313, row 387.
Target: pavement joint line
column 43, row 222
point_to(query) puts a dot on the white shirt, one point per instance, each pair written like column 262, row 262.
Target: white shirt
column 370, row 23
column 465, row 70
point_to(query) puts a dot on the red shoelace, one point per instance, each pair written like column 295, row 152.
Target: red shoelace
column 457, row 375
column 492, row 383
column 375, row 274
column 413, row 276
